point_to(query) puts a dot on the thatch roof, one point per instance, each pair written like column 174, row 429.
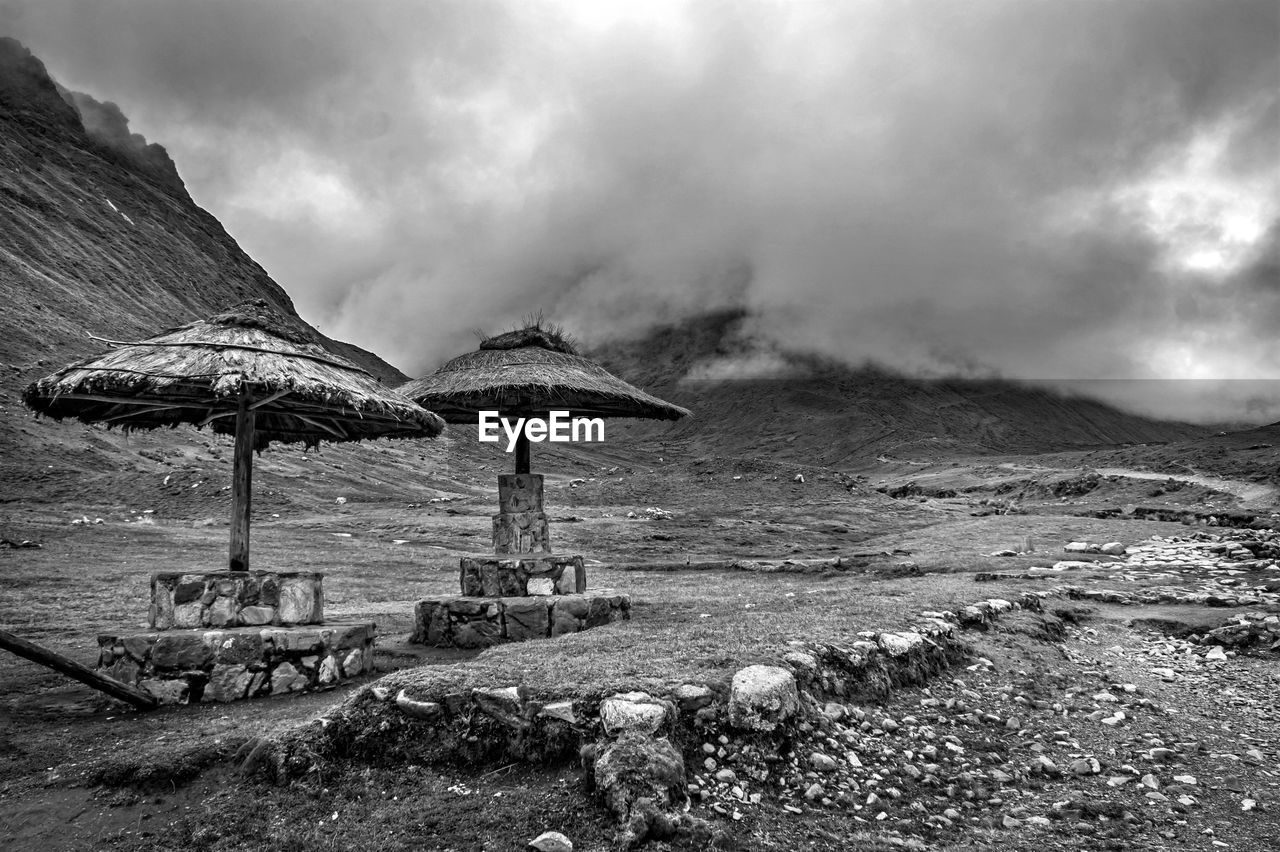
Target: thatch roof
column 532, row 371
column 302, row 391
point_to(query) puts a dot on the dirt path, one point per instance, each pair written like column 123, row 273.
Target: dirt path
column 1249, row 492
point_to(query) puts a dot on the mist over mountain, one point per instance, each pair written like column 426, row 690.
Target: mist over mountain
column 1051, row 192
column 793, row 405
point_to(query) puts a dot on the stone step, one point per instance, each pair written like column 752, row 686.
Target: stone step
column 479, row 622
column 192, row 599
column 182, row 666
column 516, row 576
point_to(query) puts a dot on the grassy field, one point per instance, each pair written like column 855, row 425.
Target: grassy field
column 379, row 557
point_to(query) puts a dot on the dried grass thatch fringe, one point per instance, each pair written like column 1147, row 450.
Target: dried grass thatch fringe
column 195, row 374
column 536, row 332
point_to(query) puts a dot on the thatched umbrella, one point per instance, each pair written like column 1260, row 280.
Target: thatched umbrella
column 529, row 373
column 251, row 372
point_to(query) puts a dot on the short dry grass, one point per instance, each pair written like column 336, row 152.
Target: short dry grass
column 686, row 625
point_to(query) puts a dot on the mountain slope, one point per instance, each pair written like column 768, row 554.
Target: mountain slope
column 1248, row 455
column 811, row 410
column 100, row 235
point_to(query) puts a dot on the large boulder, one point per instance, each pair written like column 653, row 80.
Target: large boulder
column 762, row 697
column 639, row 777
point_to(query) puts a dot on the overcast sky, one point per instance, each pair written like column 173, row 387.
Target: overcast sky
column 1046, row 190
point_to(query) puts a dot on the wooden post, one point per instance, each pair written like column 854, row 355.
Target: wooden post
column 522, row 453
column 71, row 668
column 242, row 483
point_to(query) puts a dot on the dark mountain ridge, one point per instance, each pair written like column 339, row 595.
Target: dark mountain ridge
column 810, row 408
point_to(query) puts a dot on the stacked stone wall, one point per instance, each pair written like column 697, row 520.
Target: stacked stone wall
column 180, row 666
column 232, row 599
column 496, row 576
column 478, row 622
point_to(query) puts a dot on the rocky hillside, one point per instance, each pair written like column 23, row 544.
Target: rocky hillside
column 100, row 234
column 810, row 410
column 99, row 237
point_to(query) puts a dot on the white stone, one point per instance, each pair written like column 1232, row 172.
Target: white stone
column 540, row 586
column 298, row 603
column 162, row 607
column 693, row 695
column 551, row 841
column 632, row 712
column 286, row 678
column 257, row 615
column 223, row 611
column 227, row 683
column 353, row 664
column 415, row 708
column 761, row 697
column 329, row 670
column 801, row 661
column 187, row 615
column 897, row 644
column 165, row 691
column 562, row 710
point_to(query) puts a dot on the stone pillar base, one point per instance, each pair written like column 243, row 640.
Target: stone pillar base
column 521, row 532
column 182, row 666
column 520, row 525
column 479, row 622
column 519, row 492
column 235, row 599
column 497, row 576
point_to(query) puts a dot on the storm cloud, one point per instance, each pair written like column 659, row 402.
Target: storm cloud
column 1046, row 191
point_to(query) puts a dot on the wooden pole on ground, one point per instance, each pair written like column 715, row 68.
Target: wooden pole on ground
column 71, row 668
column 242, row 483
